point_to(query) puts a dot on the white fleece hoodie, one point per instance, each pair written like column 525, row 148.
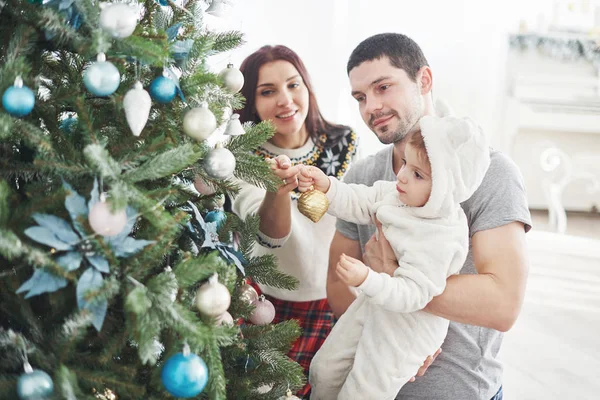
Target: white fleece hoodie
column 430, row 242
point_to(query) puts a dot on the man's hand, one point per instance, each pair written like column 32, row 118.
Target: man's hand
column 379, row 254
column 426, row 365
column 351, row 271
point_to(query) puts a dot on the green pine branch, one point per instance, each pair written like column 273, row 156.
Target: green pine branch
column 264, row 270
column 165, row 164
column 226, row 41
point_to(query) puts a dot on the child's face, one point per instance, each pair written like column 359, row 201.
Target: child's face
column 414, row 178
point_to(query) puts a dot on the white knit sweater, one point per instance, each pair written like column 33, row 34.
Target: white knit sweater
column 304, row 252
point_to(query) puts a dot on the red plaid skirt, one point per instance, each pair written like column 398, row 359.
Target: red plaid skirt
column 316, row 320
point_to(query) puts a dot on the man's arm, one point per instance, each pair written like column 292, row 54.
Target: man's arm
column 493, row 297
column 339, row 294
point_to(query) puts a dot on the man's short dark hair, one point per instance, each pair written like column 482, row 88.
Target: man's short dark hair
column 402, row 51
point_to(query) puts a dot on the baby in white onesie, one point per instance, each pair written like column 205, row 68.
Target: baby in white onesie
column 380, row 342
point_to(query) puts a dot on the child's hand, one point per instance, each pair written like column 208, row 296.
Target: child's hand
column 312, row 176
column 351, row 271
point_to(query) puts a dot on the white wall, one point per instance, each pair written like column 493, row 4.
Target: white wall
column 465, row 42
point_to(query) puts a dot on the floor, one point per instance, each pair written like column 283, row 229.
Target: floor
column 553, row 351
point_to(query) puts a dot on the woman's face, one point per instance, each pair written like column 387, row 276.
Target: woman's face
column 282, row 97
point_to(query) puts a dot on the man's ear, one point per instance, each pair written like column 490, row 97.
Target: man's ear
column 425, row 80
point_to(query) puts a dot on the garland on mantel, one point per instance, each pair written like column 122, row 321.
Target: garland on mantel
column 562, row 48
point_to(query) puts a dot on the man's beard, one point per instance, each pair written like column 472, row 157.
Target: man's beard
column 388, row 135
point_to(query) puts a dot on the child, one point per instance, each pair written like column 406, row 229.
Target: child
column 383, row 338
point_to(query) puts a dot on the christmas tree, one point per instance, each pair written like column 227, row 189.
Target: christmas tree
column 121, row 275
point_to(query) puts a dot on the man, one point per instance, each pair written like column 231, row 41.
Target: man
column 392, row 83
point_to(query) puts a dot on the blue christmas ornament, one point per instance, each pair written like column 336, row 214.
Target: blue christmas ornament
column 69, row 125
column 163, row 2
column 163, row 89
column 102, row 78
column 217, row 216
column 18, row 100
column 184, row 374
column 34, row 384
column 247, row 362
column 66, row 9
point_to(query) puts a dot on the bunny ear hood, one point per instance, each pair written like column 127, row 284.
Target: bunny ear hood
column 459, row 154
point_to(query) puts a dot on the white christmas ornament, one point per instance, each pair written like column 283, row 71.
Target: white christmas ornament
column 202, row 187
column 119, row 19
column 224, row 319
column 219, row 200
column 219, row 163
column 137, row 104
column 199, row 122
column 264, row 313
column 264, row 389
column 289, row 396
column 234, row 127
column 104, row 222
column 217, row 8
column 232, row 78
column 213, row 298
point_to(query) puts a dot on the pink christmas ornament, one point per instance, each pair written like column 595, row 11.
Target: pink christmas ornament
column 104, row 222
column 264, row 313
column 202, row 187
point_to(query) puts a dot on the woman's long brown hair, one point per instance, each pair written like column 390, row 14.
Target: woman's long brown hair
column 316, row 125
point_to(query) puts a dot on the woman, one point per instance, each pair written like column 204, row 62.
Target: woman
column 277, row 88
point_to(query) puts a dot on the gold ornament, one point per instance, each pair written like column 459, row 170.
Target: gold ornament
column 248, row 294
column 313, row 204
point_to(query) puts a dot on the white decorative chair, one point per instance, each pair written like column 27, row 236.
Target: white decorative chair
column 559, row 171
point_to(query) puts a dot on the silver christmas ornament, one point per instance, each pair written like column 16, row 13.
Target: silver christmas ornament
column 248, row 293
column 213, row 298
column 232, row 78
column 137, row 104
column 119, row 19
column 199, row 122
column 234, row 126
column 101, row 78
column 219, row 163
column 264, row 313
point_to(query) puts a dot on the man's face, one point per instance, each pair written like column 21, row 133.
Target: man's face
column 389, row 102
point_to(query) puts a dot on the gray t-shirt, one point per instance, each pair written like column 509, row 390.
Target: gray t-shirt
column 467, row 368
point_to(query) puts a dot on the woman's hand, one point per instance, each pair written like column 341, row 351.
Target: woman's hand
column 379, row 254
column 282, row 167
column 312, row 176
